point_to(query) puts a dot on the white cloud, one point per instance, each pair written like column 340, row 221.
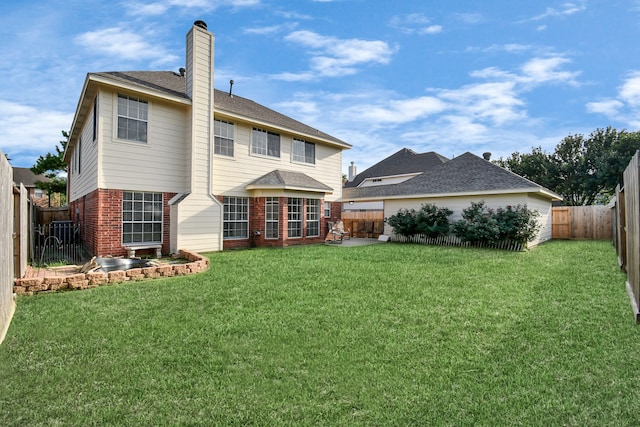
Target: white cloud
column 161, row 7
column 414, row 23
column 630, row 90
column 273, row 29
column 332, row 57
column 21, row 136
column 534, row 72
column 124, row 44
column 608, row 107
column 625, row 107
column 565, row 9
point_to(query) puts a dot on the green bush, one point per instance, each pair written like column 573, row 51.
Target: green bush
column 480, row 224
column 430, row 220
column 517, row 224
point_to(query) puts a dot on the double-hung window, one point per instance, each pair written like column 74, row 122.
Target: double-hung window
column 236, row 218
column 304, row 152
column 133, row 114
column 265, row 143
column 223, row 138
column 313, row 217
column 327, row 209
column 141, row 217
column 272, row 216
column 294, row 217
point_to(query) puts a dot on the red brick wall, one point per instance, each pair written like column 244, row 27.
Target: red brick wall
column 100, row 216
column 257, row 222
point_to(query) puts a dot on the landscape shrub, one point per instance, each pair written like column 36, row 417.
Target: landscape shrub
column 483, row 225
column 430, row 221
column 478, row 225
column 517, row 224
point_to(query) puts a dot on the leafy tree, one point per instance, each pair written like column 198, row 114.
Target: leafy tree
column 51, row 165
column 583, row 170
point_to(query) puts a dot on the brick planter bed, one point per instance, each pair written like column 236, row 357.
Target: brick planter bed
column 29, row 286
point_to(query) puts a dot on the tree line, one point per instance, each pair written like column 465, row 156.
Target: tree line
column 584, row 170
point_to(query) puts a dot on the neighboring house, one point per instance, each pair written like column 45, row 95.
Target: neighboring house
column 456, row 183
column 29, row 179
column 162, row 159
column 397, row 168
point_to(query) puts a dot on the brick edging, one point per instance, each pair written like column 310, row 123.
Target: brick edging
column 197, row 264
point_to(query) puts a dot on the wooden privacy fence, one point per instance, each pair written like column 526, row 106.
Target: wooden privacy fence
column 581, row 222
column 626, row 219
column 364, row 224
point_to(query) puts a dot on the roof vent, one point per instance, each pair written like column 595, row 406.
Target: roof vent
column 201, row 24
column 231, row 88
column 182, row 71
column 486, row 155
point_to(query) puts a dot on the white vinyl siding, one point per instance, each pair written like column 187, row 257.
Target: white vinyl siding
column 160, row 165
column 230, row 176
column 133, row 114
column 272, row 218
column 141, row 217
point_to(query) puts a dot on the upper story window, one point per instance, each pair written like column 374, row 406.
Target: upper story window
column 265, row 143
column 304, row 152
column 223, row 138
column 133, row 114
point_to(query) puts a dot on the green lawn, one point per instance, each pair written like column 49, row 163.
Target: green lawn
column 327, row 335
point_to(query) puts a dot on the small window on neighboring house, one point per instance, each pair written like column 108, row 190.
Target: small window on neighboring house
column 132, row 118
column 272, row 218
column 313, row 217
column 37, row 193
column 304, row 152
column 141, row 217
column 223, row 137
column 236, row 218
column 294, row 217
column 327, row 209
column 95, row 119
column 265, row 143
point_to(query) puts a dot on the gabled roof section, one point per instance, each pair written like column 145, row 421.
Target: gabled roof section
column 288, row 180
column 405, row 161
column 464, row 175
column 171, row 85
column 27, row 178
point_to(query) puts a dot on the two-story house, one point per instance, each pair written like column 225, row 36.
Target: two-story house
column 163, row 160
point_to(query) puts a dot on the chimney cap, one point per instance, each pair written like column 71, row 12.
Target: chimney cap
column 200, row 24
column 486, row 155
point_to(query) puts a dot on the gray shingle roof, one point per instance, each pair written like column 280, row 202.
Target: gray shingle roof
column 283, row 180
column 466, row 173
column 403, row 162
column 174, row 84
column 27, row 178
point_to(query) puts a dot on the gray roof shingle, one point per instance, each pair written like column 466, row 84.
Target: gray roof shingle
column 174, row 84
column 403, row 162
column 27, row 178
column 281, row 179
column 466, row 173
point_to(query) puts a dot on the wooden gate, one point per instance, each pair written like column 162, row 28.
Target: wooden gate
column 581, row 222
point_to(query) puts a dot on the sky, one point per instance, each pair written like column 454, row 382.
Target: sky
column 499, row 76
